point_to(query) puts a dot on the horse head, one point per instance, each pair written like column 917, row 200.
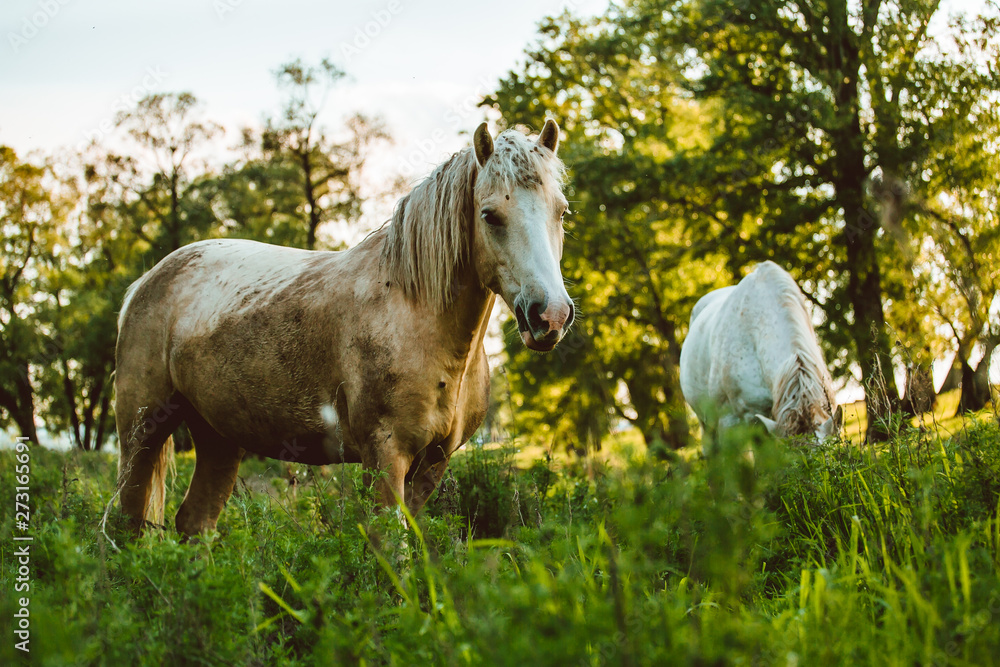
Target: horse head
column 518, row 236
column 824, row 429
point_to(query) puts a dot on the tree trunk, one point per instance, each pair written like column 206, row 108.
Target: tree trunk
column 869, row 333
column 976, row 383
column 21, row 404
column 102, row 419
column 88, row 421
column 678, row 433
column 174, row 233
column 70, row 393
column 310, row 194
column 864, row 285
column 92, row 414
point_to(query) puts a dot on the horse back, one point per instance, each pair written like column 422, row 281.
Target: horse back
column 246, row 332
column 261, row 339
column 746, row 340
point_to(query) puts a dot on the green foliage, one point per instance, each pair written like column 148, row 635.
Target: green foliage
column 630, row 261
column 482, row 488
column 295, row 175
column 854, row 144
column 33, row 208
column 78, row 229
column 832, row 555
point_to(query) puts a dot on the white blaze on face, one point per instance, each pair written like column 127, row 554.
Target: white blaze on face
column 543, row 233
column 520, row 236
column 527, row 245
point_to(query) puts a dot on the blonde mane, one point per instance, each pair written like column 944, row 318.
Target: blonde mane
column 429, row 237
column 803, row 386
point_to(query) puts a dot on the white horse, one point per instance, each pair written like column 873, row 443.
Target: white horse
column 751, row 353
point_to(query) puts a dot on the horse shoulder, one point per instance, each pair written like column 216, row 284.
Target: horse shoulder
column 449, row 401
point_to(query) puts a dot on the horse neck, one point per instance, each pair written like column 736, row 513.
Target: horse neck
column 802, row 386
column 467, row 317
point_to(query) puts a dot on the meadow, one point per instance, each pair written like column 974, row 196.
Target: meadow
column 839, row 554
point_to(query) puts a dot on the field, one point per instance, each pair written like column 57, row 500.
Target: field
column 811, row 556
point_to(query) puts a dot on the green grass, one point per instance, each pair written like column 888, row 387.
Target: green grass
column 942, row 419
column 836, row 555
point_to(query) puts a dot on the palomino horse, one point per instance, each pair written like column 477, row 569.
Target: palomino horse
column 751, row 353
column 372, row 355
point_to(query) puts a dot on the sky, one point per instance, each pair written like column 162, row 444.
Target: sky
column 67, row 66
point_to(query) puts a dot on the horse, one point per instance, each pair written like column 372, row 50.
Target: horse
column 371, row 355
column 751, row 354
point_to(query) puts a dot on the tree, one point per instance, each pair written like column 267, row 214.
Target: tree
column 79, row 292
column 966, row 302
column 79, row 320
column 936, row 139
column 629, row 256
column 29, row 215
column 296, row 149
column 868, row 95
column 77, row 232
column 720, row 135
column 165, row 200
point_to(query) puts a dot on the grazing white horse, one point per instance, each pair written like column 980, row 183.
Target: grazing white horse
column 751, row 353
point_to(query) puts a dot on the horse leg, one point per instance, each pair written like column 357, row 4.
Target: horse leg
column 424, row 476
column 144, row 424
column 390, row 488
column 217, row 464
column 707, row 438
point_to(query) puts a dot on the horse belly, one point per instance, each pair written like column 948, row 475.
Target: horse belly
column 253, row 397
column 307, row 448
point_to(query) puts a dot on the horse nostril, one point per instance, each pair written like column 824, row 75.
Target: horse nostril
column 522, row 321
column 535, row 321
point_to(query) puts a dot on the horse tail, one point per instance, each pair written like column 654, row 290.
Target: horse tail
column 158, row 490
column 799, row 390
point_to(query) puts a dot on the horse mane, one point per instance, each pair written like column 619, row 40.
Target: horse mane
column 802, row 386
column 428, row 241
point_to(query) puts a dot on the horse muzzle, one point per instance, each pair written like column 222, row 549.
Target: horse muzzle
column 541, row 322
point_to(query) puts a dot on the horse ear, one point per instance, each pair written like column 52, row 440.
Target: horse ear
column 483, row 143
column 549, row 136
column 769, row 424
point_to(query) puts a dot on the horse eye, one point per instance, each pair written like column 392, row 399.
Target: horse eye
column 491, row 218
